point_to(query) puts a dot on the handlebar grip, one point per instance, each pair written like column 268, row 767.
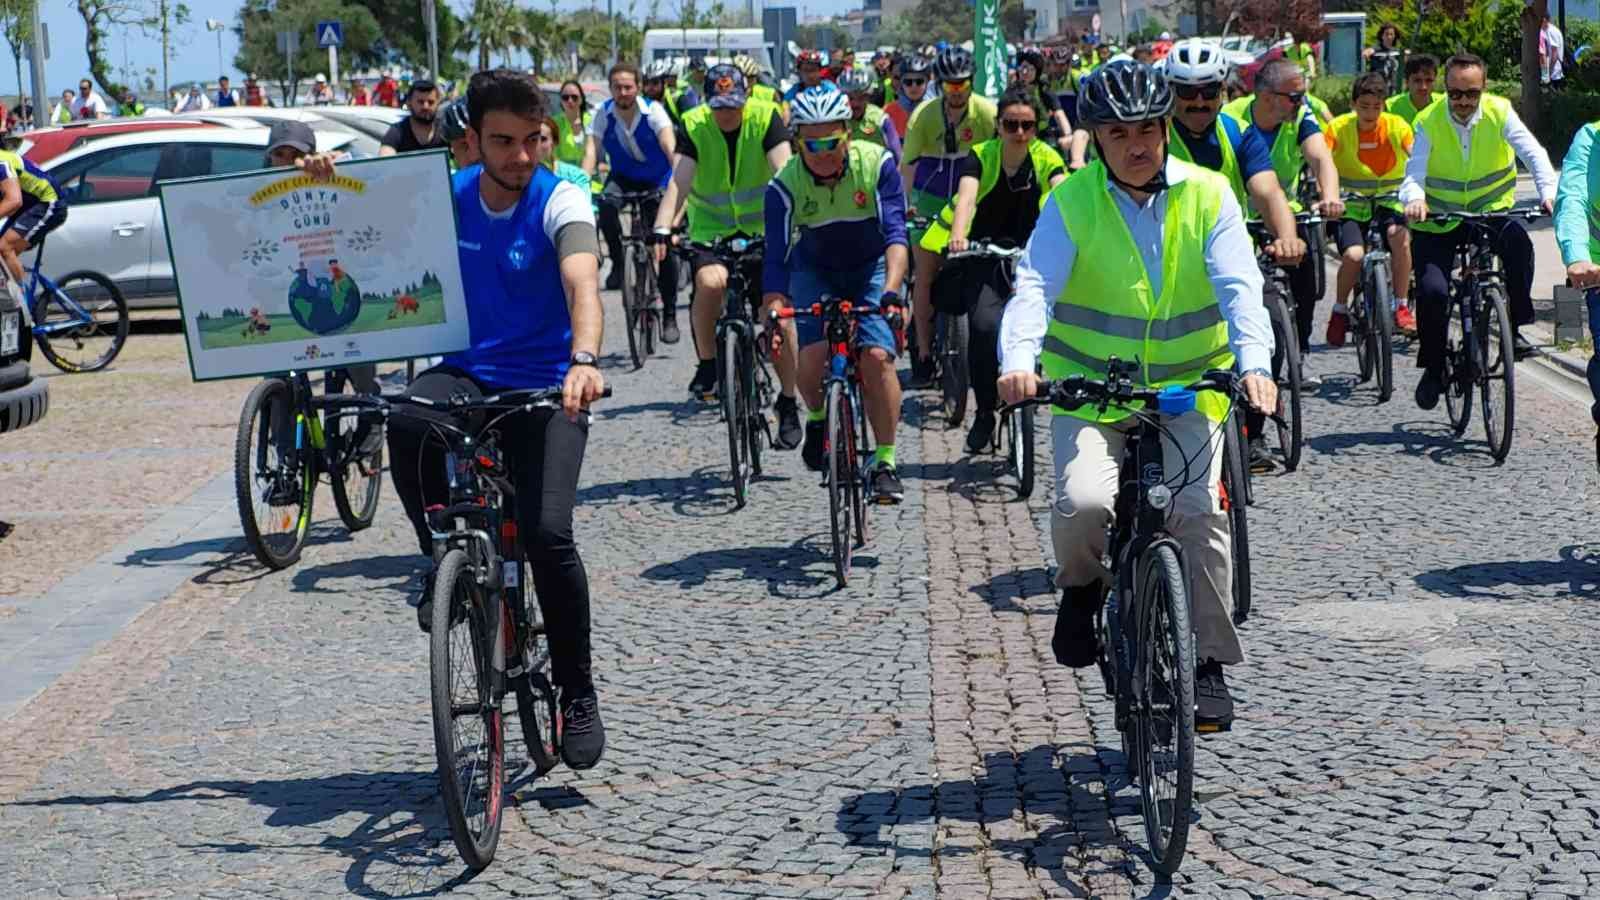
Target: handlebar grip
column 782, row 312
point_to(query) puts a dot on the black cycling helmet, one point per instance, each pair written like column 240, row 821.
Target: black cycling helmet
column 914, row 64
column 453, row 120
column 1124, row 91
column 1033, row 58
column 953, row 64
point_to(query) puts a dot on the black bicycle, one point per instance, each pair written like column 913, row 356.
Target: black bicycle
column 1286, row 363
column 641, row 300
column 288, row 437
column 1013, row 438
column 744, row 383
column 1309, row 193
column 486, row 638
column 1479, row 349
column 1147, row 644
column 1372, row 309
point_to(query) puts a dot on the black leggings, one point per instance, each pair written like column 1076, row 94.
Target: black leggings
column 987, row 290
column 611, row 228
column 544, row 451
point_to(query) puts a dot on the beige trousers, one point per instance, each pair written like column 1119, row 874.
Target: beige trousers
column 1087, row 456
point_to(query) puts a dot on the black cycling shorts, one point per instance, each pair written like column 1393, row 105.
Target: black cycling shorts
column 36, row 220
column 1349, row 233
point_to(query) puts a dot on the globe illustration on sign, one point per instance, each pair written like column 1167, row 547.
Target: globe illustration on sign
column 324, row 305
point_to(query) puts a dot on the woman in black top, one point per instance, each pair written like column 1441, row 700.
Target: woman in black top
column 1053, row 127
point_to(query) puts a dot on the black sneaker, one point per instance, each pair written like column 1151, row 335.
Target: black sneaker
column 1308, row 380
column 921, row 371
column 704, row 384
column 981, row 434
column 1074, row 643
column 583, row 735
column 1260, row 457
column 425, row 603
column 1429, row 389
column 789, row 431
column 669, row 330
column 811, row 453
column 1213, row 705
column 886, row 487
column 1521, row 346
column 614, row 280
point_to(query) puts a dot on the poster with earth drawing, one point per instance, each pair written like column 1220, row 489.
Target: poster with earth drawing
column 278, row 271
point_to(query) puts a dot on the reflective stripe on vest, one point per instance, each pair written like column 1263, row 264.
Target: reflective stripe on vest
column 1355, row 175
column 1107, row 307
column 1041, row 156
column 723, row 202
column 1485, row 179
column 1287, row 157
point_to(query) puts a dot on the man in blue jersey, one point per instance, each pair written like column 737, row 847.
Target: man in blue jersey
column 530, row 267
column 635, row 133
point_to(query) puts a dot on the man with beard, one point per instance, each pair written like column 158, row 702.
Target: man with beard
column 417, row 131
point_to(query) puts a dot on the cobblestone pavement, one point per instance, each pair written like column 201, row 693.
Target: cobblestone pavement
column 1416, row 715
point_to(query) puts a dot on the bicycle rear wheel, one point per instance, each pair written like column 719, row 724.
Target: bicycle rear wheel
column 1458, row 371
column 1362, row 334
column 1164, row 720
column 468, row 730
column 645, row 282
column 274, row 477
column 537, row 711
column 1497, row 371
column 1290, row 434
column 861, row 458
column 840, row 471
column 1233, row 493
column 89, row 345
column 953, row 368
column 631, row 311
column 1381, row 327
column 734, row 413
column 357, row 476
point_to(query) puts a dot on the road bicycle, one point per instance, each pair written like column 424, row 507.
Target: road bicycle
column 1146, row 637
column 1286, row 362
column 744, row 383
column 486, row 639
column 1479, row 338
column 641, row 300
column 1372, row 307
column 1013, row 436
column 847, row 441
column 288, row 438
column 80, row 322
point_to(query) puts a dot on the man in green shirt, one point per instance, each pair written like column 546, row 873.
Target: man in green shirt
column 1421, row 71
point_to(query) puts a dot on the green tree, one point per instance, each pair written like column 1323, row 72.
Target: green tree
column 495, row 26
column 948, row 20
column 404, row 39
column 99, row 17
column 1474, row 27
column 16, row 22
column 259, row 24
column 164, row 19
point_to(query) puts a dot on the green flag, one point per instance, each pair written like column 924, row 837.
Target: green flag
column 989, row 49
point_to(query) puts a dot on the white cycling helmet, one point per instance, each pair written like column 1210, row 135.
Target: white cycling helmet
column 818, row 106
column 660, row 68
column 1196, row 61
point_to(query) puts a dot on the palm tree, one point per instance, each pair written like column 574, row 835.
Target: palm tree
column 495, row 25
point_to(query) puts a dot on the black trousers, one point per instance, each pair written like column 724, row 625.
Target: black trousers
column 611, row 229
column 544, row 452
column 1303, row 285
column 1432, row 255
column 987, row 289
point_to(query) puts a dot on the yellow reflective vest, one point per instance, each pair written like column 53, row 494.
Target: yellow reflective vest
column 724, row 201
column 1484, row 180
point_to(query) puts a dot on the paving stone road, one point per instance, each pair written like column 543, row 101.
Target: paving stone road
column 1418, row 715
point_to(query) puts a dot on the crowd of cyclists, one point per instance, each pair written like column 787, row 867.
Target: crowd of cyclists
column 1126, row 180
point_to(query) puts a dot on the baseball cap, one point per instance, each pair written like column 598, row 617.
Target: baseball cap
column 421, row 85
column 288, row 133
column 725, row 88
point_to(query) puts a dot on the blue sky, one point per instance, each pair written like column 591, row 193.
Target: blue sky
column 195, row 55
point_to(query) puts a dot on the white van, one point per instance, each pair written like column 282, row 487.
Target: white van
column 712, row 43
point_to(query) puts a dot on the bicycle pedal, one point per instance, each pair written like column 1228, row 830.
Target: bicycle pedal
column 1212, row 727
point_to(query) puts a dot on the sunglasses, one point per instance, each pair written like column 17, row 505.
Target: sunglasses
column 1018, row 126
column 1296, row 98
column 957, row 86
column 1463, row 95
column 822, row 145
column 573, row 97
column 1191, row 91
column 913, row 82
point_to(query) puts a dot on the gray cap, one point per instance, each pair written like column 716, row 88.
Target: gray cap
column 288, row 133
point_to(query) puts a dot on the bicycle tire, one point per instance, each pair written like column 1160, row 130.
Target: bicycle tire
column 861, row 460
column 1291, row 434
column 838, row 470
column 368, row 469
column 733, row 400
column 1361, row 329
column 1023, row 449
column 1458, row 374
column 953, row 374
column 1383, row 328
column 758, row 418
column 1242, row 437
column 1166, row 641
column 1498, row 364
column 645, row 289
column 632, row 315
column 256, row 483
column 1234, row 501
column 475, row 840
column 1317, row 249
column 109, row 315
column 538, row 714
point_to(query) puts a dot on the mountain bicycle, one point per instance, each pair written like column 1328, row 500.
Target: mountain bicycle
column 744, row 383
column 288, row 438
column 641, row 300
column 1147, row 644
column 1286, row 362
column 1013, row 438
column 1372, row 307
column 80, row 322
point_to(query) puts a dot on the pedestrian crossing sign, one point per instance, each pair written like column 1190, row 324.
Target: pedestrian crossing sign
column 330, row 34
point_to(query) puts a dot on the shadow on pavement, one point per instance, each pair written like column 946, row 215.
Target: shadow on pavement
column 704, row 493
column 1018, row 787
column 1002, row 591
column 682, row 411
column 393, row 573
column 783, row 567
column 1577, row 572
column 1431, row 438
column 400, row 848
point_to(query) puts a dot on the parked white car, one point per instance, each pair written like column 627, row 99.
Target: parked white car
column 114, row 223
column 362, row 146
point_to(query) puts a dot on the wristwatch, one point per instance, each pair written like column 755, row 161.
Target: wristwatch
column 584, row 358
column 1262, row 372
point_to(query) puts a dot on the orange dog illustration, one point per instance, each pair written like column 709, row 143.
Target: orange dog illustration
column 405, row 304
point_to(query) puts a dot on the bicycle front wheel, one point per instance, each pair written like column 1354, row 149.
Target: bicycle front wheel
column 355, row 456
column 537, row 711
column 468, row 731
column 1164, row 692
column 1020, row 450
column 734, row 413
column 1233, row 493
column 1381, row 327
column 1458, row 371
column 645, row 287
column 861, row 454
column 274, row 479
column 1497, row 369
column 954, row 377
column 1290, row 434
column 840, row 472
column 83, row 323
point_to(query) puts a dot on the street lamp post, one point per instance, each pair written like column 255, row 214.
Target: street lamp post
column 217, row 26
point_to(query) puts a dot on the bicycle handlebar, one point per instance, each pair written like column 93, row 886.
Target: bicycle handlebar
column 527, row 398
column 732, row 247
column 1515, row 212
column 1076, row 391
column 987, row 250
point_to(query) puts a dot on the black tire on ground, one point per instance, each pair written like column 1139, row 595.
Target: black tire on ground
column 840, row 470
column 90, row 347
column 1382, row 288
column 1290, row 435
column 1165, row 725
column 275, row 532
column 733, row 398
column 1497, row 380
column 1458, row 375
column 1234, row 472
column 953, row 367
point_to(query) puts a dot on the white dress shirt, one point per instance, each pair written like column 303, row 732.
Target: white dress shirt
column 1046, row 265
column 1522, row 142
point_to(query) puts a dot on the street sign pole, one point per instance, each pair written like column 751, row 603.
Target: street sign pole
column 333, row 69
column 432, row 18
column 41, row 109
